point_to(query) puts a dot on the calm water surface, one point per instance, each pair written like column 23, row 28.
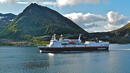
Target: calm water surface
column 29, row 60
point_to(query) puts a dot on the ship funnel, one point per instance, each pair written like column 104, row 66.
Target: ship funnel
column 61, row 38
column 54, row 37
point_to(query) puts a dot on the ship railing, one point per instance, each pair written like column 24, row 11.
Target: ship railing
column 43, row 46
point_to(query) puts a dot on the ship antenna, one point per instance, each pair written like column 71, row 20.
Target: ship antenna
column 79, row 38
column 54, row 37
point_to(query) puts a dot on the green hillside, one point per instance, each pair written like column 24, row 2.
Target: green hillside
column 123, row 32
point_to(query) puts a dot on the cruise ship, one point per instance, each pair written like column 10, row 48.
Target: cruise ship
column 71, row 45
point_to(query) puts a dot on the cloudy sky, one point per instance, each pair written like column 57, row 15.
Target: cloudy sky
column 92, row 15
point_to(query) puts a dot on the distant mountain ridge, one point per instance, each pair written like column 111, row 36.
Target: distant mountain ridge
column 121, row 35
column 123, row 32
column 38, row 20
column 5, row 19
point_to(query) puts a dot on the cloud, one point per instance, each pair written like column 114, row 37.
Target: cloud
column 95, row 22
column 59, row 3
column 42, row 3
column 3, row 1
column 86, row 18
column 74, row 2
column 8, row 1
column 11, row 1
column 116, row 18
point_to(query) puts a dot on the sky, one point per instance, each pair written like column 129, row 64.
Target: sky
column 92, row 15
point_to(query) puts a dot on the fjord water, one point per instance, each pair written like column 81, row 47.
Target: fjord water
column 29, row 60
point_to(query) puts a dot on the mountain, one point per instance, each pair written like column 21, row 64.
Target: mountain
column 123, row 32
column 121, row 35
column 5, row 19
column 38, row 20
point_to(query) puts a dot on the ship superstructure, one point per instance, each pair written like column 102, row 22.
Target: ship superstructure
column 63, row 45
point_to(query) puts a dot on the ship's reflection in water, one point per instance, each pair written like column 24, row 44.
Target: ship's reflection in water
column 51, row 54
column 33, row 65
column 38, row 64
column 29, row 60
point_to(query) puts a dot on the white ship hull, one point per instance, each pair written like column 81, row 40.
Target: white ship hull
column 70, row 45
